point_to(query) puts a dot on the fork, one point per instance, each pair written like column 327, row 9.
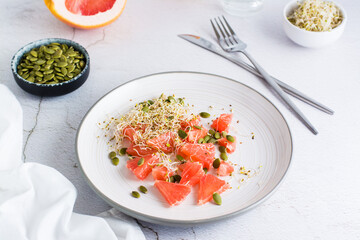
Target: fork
column 230, row 42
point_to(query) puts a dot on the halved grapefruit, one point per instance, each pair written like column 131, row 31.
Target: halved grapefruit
column 86, row 14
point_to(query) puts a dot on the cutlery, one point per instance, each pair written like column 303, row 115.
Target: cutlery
column 229, row 42
column 202, row 42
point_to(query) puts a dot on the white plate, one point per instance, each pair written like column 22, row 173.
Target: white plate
column 271, row 147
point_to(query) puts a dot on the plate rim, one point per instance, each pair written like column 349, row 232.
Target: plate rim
column 167, row 222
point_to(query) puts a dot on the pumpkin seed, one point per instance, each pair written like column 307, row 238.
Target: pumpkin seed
column 112, row 155
column 216, row 163
column 40, row 62
column 49, row 50
column 115, row 161
column 180, row 158
column 223, row 156
column 222, row 149
column 212, row 140
column 39, row 74
column 217, row 135
column 171, row 99
column 177, row 178
column 224, row 134
column 64, row 71
column 61, row 64
column 201, row 140
column 145, row 109
column 217, row 198
column 197, row 127
column 49, row 77
column 135, row 194
column 141, row 161
column 182, row 134
column 151, row 102
column 207, row 138
column 48, row 71
column 204, row 115
column 143, row 189
column 230, row 138
column 34, row 53
column 212, row 132
column 123, row 151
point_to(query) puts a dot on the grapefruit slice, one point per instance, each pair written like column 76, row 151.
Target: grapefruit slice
column 195, row 134
column 86, row 14
column 141, row 172
column 222, row 123
column 174, row 193
column 203, row 153
column 139, row 151
column 225, row 169
column 161, row 173
column 230, row 146
column 192, row 173
column 209, row 184
column 164, row 142
column 130, row 133
column 191, row 123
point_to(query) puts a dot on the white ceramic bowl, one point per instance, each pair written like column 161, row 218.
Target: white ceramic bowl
column 307, row 38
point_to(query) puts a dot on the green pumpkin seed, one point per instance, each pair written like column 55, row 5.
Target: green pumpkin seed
column 216, row 163
column 112, row 155
column 212, row 140
column 71, row 68
column 222, row 149
column 201, row 140
column 171, row 99
column 172, row 179
column 230, row 138
column 39, row 74
column 40, row 62
column 177, row 178
column 82, row 64
column 217, row 198
column 182, row 134
column 217, row 135
column 48, row 71
column 49, row 50
column 34, row 53
column 62, row 64
column 33, row 59
column 181, row 101
column 135, row 194
column 115, row 161
column 223, row 156
column 64, row 71
column 180, row 158
column 207, row 138
column 151, row 102
column 224, row 134
column 122, row 151
column 204, row 115
column 143, row 189
column 57, row 69
column 197, row 127
column 145, row 109
column 49, row 77
column 141, row 162
column 212, row 132
column 30, row 79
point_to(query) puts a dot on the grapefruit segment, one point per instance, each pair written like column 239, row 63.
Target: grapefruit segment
column 174, row 193
column 164, row 142
column 202, row 153
column 210, row 184
column 195, row 134
column 222, row 123
column 138, row 151
column 225, row 169
column 192, row 173
column 161, row 173
column 230, row 146
column 191, row 123
column 141, row 172
column 86, row 14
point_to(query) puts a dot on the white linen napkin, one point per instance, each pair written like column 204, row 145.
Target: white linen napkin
column 36, row 201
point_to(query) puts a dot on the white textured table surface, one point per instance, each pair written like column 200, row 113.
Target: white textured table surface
column 319, row 199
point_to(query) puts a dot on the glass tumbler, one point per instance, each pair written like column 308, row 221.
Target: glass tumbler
column 242, row 7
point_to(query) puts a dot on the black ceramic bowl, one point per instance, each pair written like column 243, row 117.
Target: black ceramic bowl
column 50, row 89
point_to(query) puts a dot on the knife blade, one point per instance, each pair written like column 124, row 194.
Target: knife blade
column 201, row 42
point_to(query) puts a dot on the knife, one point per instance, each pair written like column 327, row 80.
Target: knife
column 201, row 42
